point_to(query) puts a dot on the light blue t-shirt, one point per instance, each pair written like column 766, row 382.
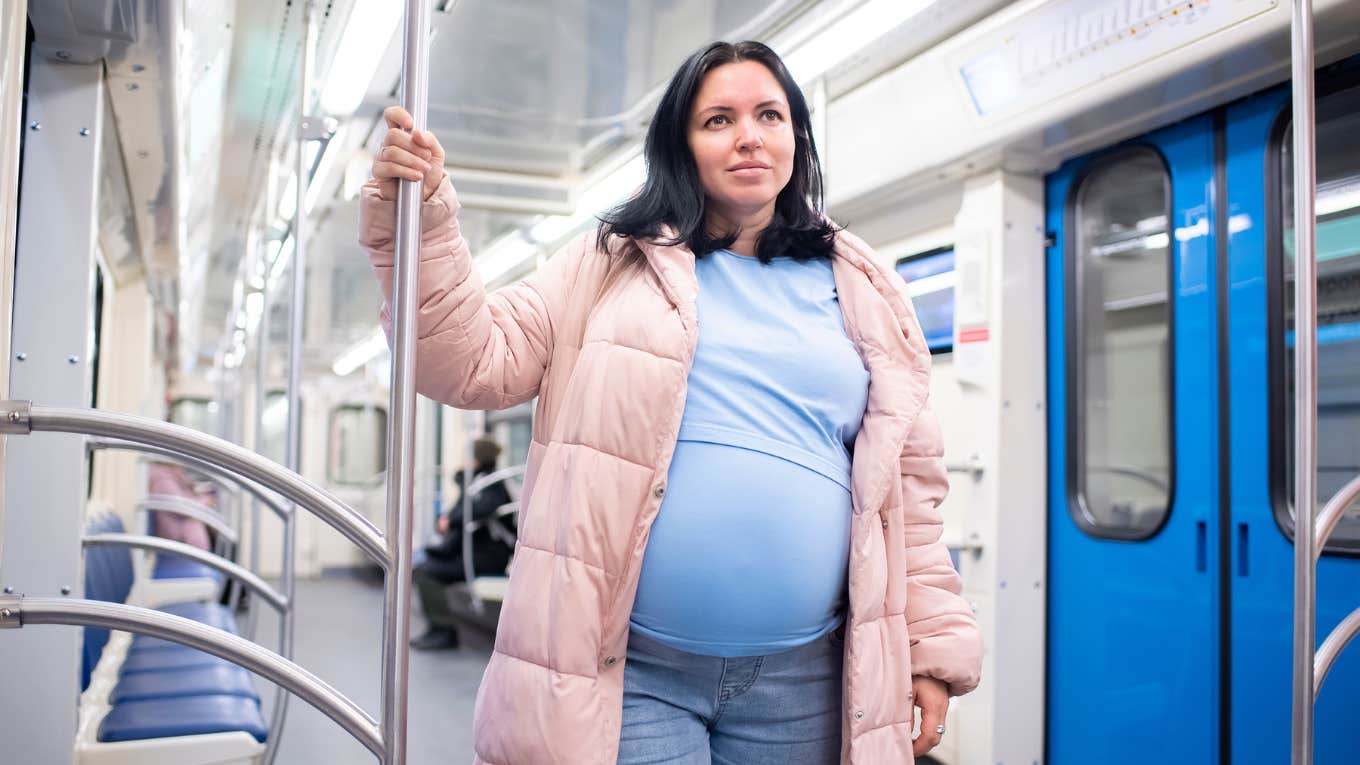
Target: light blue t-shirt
column 749, row 552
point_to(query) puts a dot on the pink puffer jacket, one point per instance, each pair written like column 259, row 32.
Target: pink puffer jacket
column 607, row 352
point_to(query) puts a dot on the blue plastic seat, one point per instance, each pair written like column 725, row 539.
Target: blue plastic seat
column 211, row 614
column 108, row 577
column 174, row 658
column 169, row 566
column 214, row 614
column 188, row 716
column 210, row 680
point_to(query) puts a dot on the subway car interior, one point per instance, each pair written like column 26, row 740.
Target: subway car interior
column 217, row 477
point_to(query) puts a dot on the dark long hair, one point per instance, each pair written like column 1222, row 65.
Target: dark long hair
column 674, row 196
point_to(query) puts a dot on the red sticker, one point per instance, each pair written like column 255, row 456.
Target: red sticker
column 976, row 335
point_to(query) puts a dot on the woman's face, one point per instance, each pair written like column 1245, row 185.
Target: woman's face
column 742, row 139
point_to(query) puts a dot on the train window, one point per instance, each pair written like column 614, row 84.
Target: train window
column 357, row 444
column 1338, row 295
column 1119, row 322
column 513, row 429
column 930, row 282
column 197, row 413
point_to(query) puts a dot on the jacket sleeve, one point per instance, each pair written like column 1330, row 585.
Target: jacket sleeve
column 946, row 641
column 473, row 350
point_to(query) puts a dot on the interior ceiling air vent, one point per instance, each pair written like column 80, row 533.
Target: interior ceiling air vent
column 511, row 192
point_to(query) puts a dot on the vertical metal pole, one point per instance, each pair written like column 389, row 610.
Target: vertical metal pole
column 1305, row 380
column 401, row 436
column 257, row 438
column 296, row 321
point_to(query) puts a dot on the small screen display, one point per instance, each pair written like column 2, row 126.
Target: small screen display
column 930, row 281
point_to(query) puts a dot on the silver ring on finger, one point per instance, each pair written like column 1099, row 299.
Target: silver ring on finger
column 939, row 729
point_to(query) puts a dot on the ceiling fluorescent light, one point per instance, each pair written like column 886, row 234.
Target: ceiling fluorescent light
column 324, row 168
column 367, row 34
column 280, row 263
column 848, row 34
column 359, row 354
column 288, row 202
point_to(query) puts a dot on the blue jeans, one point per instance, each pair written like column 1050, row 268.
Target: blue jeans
column 680, row 708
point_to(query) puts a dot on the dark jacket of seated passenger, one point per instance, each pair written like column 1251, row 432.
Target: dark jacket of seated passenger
column 485, row 503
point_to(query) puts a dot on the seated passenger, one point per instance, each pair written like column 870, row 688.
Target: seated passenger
column 172, row 480
column 443, row 561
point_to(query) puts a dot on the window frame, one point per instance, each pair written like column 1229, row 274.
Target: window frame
column 1075, row 337
column 330, row 429
column 1281, row 499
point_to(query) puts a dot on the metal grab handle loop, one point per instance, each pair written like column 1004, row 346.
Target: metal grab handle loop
column 233, row 648
column 236, row 571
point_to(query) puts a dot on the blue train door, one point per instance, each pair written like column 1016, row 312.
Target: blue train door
column 1170, row 352
column 1259, row 219
column 1133, row 614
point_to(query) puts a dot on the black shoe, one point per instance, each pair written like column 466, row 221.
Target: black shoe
column 436, row 639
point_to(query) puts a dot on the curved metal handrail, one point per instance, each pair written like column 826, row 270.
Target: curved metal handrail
column 20, row 417
column 1332, row 514
column 1331, row 649
column 168, row 503
column 236, row 571
column 233, row 648
column 225, row 477
column 515, row 471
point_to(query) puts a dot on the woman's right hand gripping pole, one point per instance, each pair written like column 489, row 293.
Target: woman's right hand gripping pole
column 407, row 155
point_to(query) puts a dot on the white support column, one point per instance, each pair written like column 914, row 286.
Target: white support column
column 53, row 316
column 998, row 363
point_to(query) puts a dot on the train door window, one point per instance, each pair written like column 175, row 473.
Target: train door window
column 197, row 413
column 513, row 429
column 357, row 443
column 1338, row 306
column 930, row 282
column 1120, row 328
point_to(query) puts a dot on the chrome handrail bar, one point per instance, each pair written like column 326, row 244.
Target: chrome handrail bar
column 973, row 467
column 224, row 477
column 187, row 508
column 1332, row 513
column 18, row 611
column 22, row 417
column 402, row 403
column 1331, row 649
column 1305, row 380
column 236, row 571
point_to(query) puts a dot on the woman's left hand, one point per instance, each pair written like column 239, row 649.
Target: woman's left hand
column 932, row 696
